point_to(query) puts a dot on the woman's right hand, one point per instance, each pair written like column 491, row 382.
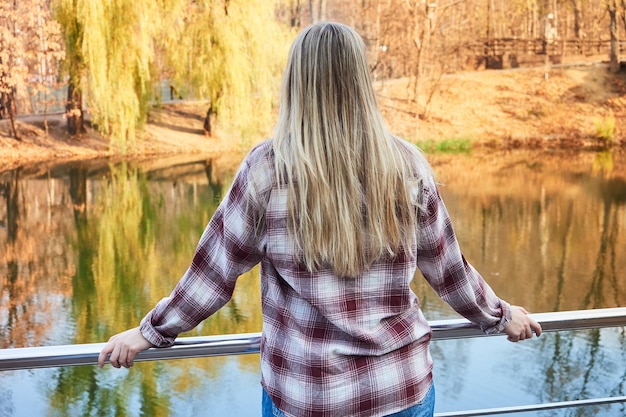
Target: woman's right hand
column 521, row 326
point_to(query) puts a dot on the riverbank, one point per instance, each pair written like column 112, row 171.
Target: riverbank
column 574, row 107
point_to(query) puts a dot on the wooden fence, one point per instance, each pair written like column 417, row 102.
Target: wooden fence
column 515, row 52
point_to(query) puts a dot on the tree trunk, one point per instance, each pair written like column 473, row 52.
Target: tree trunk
column 577, row 19
column 74, row 111
column 294, row 19
column 529, row 19
column 9, row 104
column 490, row 20
column 555, row 12
column 535, row 19
column 624, row 14
column 209, row 122
column 311, row 12
column 614, row 54
column 321, row 13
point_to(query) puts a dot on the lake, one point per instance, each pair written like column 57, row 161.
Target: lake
column 87, row 248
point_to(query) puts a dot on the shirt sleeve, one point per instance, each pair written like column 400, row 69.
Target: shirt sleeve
column 230, row 246
column 455, row 280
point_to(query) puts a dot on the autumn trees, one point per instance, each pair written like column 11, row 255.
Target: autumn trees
column 421, row 40
column 113, row 55
column 478, row 21
column 30, row 50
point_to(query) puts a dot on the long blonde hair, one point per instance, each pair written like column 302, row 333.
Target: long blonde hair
column 347, row 178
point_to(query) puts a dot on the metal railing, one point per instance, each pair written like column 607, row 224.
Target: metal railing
column 237, row 344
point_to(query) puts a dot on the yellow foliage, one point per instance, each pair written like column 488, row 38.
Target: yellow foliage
column 228, row 54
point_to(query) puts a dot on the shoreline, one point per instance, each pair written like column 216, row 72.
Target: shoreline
column 488, row 109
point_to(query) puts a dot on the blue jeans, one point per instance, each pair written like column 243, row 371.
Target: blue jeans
column 426, row 408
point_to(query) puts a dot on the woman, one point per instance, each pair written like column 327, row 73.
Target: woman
column 339, row 213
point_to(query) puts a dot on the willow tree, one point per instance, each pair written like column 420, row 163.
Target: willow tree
column 118, row 51
column 74, row 63
column 224, row 51
column 230, row 54
column 110, row 52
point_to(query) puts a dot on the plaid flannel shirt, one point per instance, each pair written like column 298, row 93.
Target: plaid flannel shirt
column 331, row 346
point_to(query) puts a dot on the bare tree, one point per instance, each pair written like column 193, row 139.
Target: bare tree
column 321, row 10
column 614, row 53
column 578, row 18
column 311, row 12
column 624, row 14
column 295, row 13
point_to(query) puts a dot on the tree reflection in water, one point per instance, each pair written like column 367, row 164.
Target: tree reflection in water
column 549, row 235
column 10, row 190
column 88, row 249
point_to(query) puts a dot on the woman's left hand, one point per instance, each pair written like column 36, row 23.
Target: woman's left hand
column 521, row 326
column 123, row 348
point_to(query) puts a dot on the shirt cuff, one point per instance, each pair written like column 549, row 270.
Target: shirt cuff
column 504, row 320
column 152, row 335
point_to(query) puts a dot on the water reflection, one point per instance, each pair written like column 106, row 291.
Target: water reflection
column 88, row 248
column 10, row 191
column 547, row 233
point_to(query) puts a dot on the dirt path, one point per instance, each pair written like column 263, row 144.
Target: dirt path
column 487, row 108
